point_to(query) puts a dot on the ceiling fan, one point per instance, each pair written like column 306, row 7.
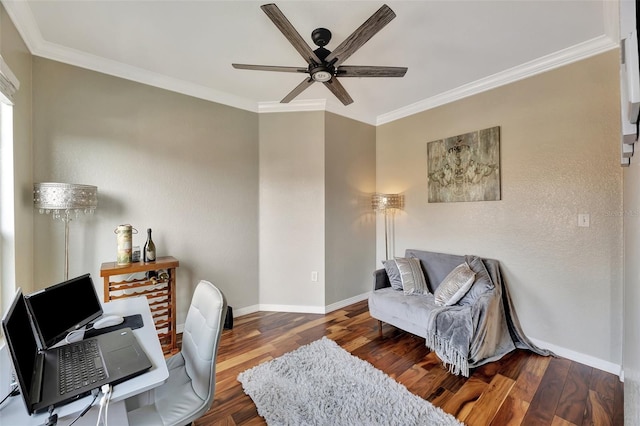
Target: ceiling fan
column 325, row 66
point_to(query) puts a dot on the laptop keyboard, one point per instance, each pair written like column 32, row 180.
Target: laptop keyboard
column 79, row 365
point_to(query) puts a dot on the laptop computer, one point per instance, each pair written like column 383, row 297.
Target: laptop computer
column 38, row 372
column 63, row 308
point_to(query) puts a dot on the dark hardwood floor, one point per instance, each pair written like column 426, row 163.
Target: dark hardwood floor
column 520, row 389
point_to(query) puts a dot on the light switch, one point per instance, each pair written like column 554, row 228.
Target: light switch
column 583, row 220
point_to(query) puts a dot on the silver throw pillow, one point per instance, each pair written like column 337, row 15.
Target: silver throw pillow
column 455, row 285
column 411, row 275
column 393, row 274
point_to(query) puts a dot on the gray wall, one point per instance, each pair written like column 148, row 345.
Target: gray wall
column 350, row 179
column 292, row 218
column 317, row 171
column 631, row 356
column 560, row 156
column 185, row 167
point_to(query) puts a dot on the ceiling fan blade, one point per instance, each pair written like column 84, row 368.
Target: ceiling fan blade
column 371, row 26
column 370, row 71
column 299, row 89
column 338, row 89
column 269, row 68
column 285, row 27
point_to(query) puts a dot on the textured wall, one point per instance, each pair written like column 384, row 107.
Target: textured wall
column 559, row 157
column 350, row 179
column 317, row 171
column 631, row 357
column 185, row 167
column 292, row 219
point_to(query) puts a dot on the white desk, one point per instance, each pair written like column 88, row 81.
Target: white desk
column 14, row 413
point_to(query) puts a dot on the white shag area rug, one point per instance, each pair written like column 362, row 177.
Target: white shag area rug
column 323, row 384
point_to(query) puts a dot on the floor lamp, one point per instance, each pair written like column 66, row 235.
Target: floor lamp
column 65, row 201
column 387, row 204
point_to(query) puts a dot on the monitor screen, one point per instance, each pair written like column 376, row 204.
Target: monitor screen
column 62, row 308
column 22, row 344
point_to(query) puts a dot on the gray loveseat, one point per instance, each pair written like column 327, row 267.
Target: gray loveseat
column 480, row 328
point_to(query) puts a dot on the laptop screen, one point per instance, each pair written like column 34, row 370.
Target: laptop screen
column 62, row 308
column 22, row 344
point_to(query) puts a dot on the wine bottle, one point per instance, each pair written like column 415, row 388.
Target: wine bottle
column 149, row 248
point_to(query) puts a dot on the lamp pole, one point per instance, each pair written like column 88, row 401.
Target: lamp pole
column 66, row 218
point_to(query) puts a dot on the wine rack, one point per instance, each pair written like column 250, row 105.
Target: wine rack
column 131, row 280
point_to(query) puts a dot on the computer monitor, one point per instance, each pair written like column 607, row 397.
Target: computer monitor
column 23, row 347
column 61, row 308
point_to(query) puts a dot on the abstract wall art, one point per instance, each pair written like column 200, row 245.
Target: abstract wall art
column 465, row 167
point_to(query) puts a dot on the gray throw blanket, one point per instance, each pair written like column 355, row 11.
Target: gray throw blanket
column 482, row 328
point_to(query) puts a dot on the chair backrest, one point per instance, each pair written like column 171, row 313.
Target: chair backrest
column 201, row 338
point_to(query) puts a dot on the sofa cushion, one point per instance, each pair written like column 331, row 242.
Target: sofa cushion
column 412, row 277
column 436, row 266
column 409, row 313
column 455, row 285
column 393, row 273
column 482, row 284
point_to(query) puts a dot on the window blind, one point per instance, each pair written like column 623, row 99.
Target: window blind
column 9, row 83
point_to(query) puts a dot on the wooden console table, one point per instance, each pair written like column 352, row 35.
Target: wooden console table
column 161, row 294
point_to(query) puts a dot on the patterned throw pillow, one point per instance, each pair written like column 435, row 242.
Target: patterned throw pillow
column 455, row 285
column 411, row 275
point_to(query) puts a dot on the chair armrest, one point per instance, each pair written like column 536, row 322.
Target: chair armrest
column 380, row 279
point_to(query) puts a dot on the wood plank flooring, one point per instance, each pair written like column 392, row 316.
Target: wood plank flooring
column 520, row 389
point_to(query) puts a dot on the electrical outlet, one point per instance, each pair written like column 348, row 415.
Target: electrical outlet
column 583, row 220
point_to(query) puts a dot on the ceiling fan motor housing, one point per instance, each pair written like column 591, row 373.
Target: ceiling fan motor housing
column 322, row 73
column 321, row 36
column 325, row 71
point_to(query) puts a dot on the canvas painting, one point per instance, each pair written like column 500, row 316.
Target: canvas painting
column 465, row 167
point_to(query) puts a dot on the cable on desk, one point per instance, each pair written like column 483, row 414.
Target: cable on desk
column 104, row 403
column 13, row 392
column 52, row 420
column 95, row 394
column 71, row 335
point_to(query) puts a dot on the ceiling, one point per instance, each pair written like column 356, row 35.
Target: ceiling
column 452, row 48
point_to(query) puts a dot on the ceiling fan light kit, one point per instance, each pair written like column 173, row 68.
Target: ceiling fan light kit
column 325, row 66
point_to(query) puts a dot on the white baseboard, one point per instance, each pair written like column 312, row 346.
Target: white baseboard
column 589, row 360
column 292, row 308
column 313, row 309
column 346, row 302
column 246, row 310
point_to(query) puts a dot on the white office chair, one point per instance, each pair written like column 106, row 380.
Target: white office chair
column 188, row 393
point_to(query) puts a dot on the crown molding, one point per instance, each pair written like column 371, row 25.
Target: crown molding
column 546, row 63
column 312, row 105
column 293, row 106
column 128, row 72
column 22, row 17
